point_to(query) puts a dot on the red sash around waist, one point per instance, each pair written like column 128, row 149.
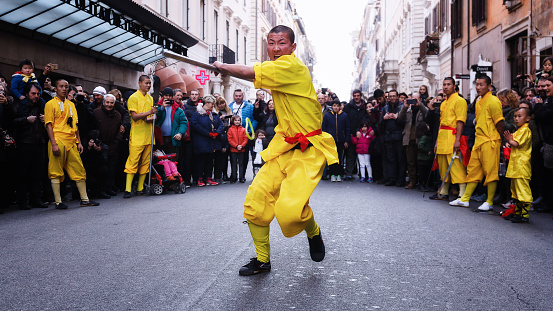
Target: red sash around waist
column 302, row 139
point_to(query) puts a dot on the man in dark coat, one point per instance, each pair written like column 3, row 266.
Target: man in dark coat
column 355, row 110
column 391, row 129
column 336, row 123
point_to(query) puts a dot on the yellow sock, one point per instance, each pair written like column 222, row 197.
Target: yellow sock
column 56, row 189
column 81, row 185
column 260, row 237
column 128, row 186
column 492, row 186
column 468, row 191
column 141, row 179
column 312, row 228
column 445, row 189
column 462, row 189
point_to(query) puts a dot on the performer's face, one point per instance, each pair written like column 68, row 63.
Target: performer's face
column 279, row 44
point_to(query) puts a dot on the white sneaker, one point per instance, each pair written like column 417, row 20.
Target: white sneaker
column 485, row 207
column 333, row 178
column 458, row 202
column 338, row 178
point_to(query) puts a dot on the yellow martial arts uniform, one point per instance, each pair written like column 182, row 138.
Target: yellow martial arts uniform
column 57, row 112
column 284, row 184
column 484, row 160
column 140, row 135
column 452, row 110
column 520, row 170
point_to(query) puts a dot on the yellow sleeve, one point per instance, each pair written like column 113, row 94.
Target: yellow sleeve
column 286, row 75
column 461, row 110
column 49, row 112
column 523, row 137
column 132, row 104
column 495, row 110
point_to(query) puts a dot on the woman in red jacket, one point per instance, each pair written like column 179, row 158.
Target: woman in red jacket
column 237, row 140
column 362, row 141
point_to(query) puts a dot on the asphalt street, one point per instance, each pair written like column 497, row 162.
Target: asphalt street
column 387, row 249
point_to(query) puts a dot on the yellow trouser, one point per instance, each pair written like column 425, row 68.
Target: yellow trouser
column 520, row 190
column 484, row 161
column 138, row 154
column 282, row 188
column 70, row 160
column 458, row 172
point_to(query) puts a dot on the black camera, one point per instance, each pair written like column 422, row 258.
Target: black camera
column 79, row 97
column 97, row 142
column 411, row 101
column 324, row 90
column 373, row 110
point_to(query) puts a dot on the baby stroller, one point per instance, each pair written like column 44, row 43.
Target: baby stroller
column 159, row 180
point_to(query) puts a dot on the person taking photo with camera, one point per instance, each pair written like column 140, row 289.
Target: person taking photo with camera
column 171, row 121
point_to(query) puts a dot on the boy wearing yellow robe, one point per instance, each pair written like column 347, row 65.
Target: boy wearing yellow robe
column 64, row 145
column 295, row 158
column 484, row 160
column 453, row 115
column 520, row 169
column 141, row 109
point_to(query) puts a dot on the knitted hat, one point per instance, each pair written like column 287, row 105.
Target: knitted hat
column 167, row 91
column 99, row 90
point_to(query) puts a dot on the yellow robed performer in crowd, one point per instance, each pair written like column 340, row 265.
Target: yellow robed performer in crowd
column 295, row 158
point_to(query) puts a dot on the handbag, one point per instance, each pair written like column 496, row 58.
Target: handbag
column 7, row 141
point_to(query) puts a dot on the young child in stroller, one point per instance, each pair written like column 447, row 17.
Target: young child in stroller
column 169, row 167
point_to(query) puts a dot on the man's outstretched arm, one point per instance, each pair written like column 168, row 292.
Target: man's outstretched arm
column 236, row 70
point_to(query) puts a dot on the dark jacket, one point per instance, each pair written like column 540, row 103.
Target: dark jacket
column 190, row 108
column 338, row 126
column 269, row 129
column 202, row 125
column 392, row 129
column 406, row 115
column 355, row 114
column 544, row 115
column 30, row 133
column 86, row 119
column 109, row 125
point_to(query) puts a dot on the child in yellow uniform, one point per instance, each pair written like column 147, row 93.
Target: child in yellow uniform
column 64, row 146
column 484, row 160
column 520, row 169
column 141, row 109
column 295, row 158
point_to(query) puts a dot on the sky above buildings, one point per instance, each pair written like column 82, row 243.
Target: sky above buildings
column 329, row 25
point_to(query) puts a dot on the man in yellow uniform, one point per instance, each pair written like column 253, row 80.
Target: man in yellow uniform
column 142, row 112
column 295, row 158
column 484, row 160
column 453, row 115
column 64, row 146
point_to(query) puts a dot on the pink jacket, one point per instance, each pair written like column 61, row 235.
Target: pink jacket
column 362, row 144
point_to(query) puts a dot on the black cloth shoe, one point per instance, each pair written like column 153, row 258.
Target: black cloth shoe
column 438, row 196
column 316, row 248
column 126, row 195
column 103, row 195
column 39, row 204
column 520, row 219
column 254, row 267
column 61, row 206
column 89, row 203
column 242, row 180
column 111, row 193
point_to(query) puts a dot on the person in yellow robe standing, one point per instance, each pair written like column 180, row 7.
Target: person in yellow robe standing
column 453, row 115
column 484, row 160
column 64, row 146
column 520, row 169
column 295, row 158
column 142, row 112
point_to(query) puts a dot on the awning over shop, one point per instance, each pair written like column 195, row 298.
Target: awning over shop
column 120, row 31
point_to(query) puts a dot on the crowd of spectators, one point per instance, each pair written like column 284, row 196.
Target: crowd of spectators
column 388, row 138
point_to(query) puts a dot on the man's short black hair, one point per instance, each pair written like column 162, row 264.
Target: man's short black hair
column 283, row 29
column 392, row 90
column 335, row 102
column 450, row 79
column 378, row 93
column 25, row 62
column 402, row 93
column 143, row 77
column 29, row 86
column 484, row 77
column 237, row 90
column 356, row 91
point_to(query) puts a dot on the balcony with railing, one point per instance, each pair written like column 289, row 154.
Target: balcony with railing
column 429, row 46
column 220, row 52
